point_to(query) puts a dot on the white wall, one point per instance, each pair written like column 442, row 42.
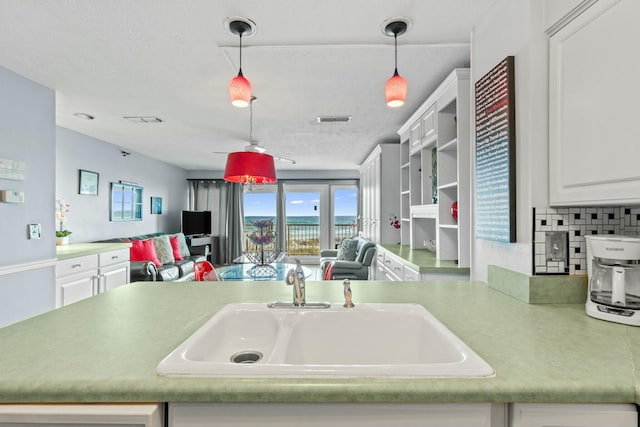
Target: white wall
column 515, row 27
column 88, row 218
column 27, row 133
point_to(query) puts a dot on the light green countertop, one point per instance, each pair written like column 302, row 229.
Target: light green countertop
column 106, row 348
column 424, row 260
column 81, row 249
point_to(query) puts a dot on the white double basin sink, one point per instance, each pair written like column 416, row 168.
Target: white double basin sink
column 369, row 340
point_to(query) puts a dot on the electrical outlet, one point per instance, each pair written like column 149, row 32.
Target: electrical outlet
column 556, row 245
column 34, row 231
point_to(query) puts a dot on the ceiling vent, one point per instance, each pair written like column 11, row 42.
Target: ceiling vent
column 334, row 119
column 143, row 119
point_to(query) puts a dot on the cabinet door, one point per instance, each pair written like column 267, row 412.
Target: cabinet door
column 429, row 125
column 410, row 275
column 572, row 415
column 74, row 288
column 114, row 276
column 335, row 415
column 593, row 92
column 415, row 136
column 54, row 415
column 376, row 180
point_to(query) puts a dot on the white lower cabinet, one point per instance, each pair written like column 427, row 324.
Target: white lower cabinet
column 390, row 267
column 337, row 415
column 76, row 279
column 114, row 269
column 573, row 415
column 130, row 415
column 85, row 276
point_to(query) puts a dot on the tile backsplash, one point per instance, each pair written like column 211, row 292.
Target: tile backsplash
column 551, row 223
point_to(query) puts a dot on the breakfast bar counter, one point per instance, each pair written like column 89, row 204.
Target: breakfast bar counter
column 106, row 348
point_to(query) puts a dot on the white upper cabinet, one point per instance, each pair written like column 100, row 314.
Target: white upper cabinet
column 594, row 147
column 558, row 12
column 380, row 193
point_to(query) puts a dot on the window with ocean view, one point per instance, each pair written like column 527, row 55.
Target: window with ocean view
column 317, row 216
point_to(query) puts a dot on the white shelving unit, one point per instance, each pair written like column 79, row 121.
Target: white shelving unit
column 435, row 169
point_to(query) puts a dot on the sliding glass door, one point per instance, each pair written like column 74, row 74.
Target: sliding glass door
column 344, row 199
column 306, row 219
column 315, row 216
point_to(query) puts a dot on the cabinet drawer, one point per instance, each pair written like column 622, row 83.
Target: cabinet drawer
column 113, row 257
column 76, row 265
column 394, row 266
column 410, row 274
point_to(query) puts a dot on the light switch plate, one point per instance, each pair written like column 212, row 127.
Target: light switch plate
column 34, row 231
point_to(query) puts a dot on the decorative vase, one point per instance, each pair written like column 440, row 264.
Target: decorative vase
column 454, row 210
column 60, row 241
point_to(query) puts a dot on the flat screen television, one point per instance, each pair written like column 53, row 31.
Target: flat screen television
column 196, row 223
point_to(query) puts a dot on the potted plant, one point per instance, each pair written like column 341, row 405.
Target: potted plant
column 62, row 235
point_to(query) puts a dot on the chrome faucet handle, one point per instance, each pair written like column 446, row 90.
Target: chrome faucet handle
column 347, row 294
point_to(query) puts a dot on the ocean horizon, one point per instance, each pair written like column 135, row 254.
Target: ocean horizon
column 301, row 224
column 310, row 219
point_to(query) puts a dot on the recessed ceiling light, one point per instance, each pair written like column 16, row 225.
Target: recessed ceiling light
column 84, row 116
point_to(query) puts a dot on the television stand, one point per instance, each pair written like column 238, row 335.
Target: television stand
column 201, row 243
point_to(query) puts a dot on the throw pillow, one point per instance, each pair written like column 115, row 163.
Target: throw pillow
column 347, row 250
column 182, row 243
column 164, row 249
column 143, row 250
column 175, row 245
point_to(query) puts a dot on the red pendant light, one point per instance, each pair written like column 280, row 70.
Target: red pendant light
column 248, row 167
column 240, row 87
column 251, row 166
column 240, row 91
column 395, row 90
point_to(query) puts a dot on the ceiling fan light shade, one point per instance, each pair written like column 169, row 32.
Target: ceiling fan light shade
column 240, row 91
column 247, row 167
column 395, row 90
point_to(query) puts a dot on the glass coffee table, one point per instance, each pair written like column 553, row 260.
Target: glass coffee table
column 247, row 271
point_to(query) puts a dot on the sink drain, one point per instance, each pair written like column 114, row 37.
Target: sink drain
column 249, row 356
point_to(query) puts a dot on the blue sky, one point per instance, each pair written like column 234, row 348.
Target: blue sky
column 299, row 204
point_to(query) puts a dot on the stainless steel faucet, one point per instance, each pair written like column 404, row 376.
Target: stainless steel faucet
column 295, row 278
column 299, row 297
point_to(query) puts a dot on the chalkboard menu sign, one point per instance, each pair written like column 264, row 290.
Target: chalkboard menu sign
column 495, row 154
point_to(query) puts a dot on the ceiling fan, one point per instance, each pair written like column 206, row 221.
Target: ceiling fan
column 253, row 145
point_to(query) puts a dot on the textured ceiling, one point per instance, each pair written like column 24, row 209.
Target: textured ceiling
column 174, row 59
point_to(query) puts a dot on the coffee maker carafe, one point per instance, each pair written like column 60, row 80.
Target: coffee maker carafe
column 613, row 269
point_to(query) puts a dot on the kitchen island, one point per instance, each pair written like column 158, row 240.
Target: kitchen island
column 106, row 348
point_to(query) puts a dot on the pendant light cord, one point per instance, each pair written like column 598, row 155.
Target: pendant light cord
column 395, row 44
column 240, row 70
column 251, row 121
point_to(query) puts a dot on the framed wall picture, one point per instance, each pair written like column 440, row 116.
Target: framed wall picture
column 156, row 205
column 495, row 154
column 87, row 182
